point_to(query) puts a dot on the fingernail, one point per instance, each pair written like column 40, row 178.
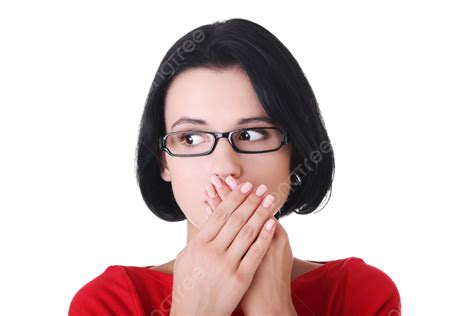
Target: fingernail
column 268, row 201
column 231, row 182
column 216, row 181
column 261, row 189
column 246, row 187
column 269, row 224
column 208, row 210
column 210, row 191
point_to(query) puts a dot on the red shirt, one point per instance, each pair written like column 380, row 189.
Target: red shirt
column 339, row 287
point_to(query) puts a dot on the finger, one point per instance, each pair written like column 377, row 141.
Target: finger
column 221, row 214
column 239, row 217
column 223, row 188
column 280, row 232
column 249, row 232
column 216, row 197
column 207, row 213
column 212, row 198
column 252, row 259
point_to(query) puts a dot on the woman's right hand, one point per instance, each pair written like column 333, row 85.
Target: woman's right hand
column 215, row 269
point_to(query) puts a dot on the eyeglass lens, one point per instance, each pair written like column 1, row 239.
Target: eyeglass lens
column 249, row 140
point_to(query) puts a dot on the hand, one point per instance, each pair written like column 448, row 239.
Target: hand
column 215, row 269
column 270, row 290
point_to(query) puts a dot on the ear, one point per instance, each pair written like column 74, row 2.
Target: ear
column 164, row 170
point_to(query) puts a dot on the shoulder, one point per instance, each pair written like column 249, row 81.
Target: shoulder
column 367, row 289
column 111, row 292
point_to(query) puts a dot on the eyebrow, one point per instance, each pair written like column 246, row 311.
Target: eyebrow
column 240, row 122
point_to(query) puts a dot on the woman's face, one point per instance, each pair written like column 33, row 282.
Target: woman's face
column 220, row 98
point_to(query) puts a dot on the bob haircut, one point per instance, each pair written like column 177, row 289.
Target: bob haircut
column 283, row 91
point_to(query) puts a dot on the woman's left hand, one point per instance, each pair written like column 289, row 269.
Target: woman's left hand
column 270, row 290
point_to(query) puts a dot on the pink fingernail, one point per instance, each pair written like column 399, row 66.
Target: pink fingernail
column 268, row 200
column 269, row 224
column 231, row 182
column 208, row 210
column 246, row 187
column 261, row 189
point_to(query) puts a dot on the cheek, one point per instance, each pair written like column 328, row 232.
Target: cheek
column 190, row 200
column 185, row 185
column 183, row 171
column 188, row 190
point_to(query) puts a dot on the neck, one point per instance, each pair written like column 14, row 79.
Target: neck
column 191, row 231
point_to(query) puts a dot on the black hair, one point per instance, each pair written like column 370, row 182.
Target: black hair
column 283, row 91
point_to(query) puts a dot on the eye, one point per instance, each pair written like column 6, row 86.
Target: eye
column 190, row 139
column 253, row 135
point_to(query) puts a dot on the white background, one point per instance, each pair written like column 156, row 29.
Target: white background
column 394, row 81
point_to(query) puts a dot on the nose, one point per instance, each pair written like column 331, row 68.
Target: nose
column 224, row 160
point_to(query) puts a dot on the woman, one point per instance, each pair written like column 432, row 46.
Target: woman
column 235, row 80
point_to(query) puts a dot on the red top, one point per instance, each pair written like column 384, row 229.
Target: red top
column 339, row 287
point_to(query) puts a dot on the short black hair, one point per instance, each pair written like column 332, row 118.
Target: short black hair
column 282, row 89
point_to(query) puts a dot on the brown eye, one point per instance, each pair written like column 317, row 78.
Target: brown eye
column 252, row 135
column 190, row 139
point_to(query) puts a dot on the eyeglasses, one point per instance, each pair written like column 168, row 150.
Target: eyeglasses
column 194, row 143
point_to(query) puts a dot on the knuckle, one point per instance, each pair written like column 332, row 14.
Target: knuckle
column 247, row 231
column 221, row 215
column 236, row 197
column 240, row 277
column 256, row 251
column 261, row 213
column 209, row 253
column 253, row 198
column 212, row 253
column 236, row 221
column 266, row 236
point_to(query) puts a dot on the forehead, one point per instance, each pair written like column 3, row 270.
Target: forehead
column 221, row 97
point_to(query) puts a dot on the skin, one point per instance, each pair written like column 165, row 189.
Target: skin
column 270, row 290
column 222, row 97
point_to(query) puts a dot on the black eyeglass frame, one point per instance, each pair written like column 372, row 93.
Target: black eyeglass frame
column 217, row 135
